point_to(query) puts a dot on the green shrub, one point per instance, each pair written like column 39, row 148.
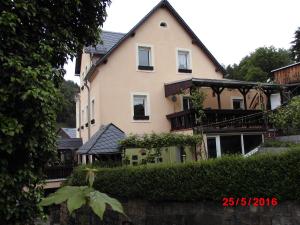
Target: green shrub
column 276, row 143
column 265, row 175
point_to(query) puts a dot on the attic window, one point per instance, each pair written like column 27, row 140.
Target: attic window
column 163, row 24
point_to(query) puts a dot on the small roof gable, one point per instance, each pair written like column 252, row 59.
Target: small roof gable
column 71, row 132
column 67, row 132
column 285, row 67
column 161, row 4
column 109, row 39
column 69, row 143
column 177, row 86
column 104, row 141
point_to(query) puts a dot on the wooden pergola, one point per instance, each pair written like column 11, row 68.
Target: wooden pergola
column 218, row 87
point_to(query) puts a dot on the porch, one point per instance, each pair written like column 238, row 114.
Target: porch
column 247, row 113
column 219, row 120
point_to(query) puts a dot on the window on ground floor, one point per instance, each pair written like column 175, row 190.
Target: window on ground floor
column 237, row 103
column 140, row 107
column 231, row 144
column 211, row 147
column 186, row 103
column 251, row 142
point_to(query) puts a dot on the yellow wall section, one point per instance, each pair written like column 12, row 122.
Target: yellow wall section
column 113, row 82
column 168, row 155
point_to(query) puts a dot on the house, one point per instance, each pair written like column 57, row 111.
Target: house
column 67, row 145
column 103, row 145
column 141, row 82
column 289, row 76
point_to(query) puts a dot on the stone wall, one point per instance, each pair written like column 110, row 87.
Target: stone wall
column 192, row 213
column 291, row 138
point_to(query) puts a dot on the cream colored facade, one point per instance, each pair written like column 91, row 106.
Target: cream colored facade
column 113, row 84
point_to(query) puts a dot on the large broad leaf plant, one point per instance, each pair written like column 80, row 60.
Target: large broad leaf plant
column 78, row 196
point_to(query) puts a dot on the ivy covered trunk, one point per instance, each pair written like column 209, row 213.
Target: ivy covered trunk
column 36, row 37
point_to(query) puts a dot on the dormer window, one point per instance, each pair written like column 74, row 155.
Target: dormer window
column 184, row 61
column 145, row 58
column 163, row 24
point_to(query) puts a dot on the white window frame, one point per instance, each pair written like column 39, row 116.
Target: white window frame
column 86, row 114
column 237, row 98
column 218, row 144
column 151, row 57
column 185, row 96
column 93, row 110
column 147, row 109
column 82, row 117
column 189, row 59
column 164, row 21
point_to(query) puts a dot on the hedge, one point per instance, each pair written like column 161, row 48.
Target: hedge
column 263, row 175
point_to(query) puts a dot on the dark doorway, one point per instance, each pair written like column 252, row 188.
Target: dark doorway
column 211, row 147
column 231, row 144
column 251, row 142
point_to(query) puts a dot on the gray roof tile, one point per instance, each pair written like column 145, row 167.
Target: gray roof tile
column 71, row 132
column 104, row 141
column 69, row 143
column 109, row 39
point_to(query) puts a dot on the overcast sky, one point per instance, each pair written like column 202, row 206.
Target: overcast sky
column 230, row 29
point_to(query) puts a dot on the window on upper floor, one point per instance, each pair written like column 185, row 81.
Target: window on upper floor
column 237, row 103
column 184, row 61
column 186, row 103
column 140, row 107
column 86, row 115
column 93, row 111
column 82, row 117
column 145, row 58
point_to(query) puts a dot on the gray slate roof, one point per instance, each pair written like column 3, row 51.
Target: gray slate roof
column 71, row 132
column 69, row 143
column 104, row 141
column 109, row 39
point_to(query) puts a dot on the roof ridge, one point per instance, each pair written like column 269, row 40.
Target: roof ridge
column 114, row 32
column 116, row 127
column 166, row 4
column 98, row 138
column 284, row 67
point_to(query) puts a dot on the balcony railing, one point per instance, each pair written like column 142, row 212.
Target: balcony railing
column 218, row 119
column 58, row 172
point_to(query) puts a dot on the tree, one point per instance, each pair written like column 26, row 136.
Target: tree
column 36, row 39
column 295, row 49
column 258, row 64
column 287, row 118
column 79, row 196
column 66, row 116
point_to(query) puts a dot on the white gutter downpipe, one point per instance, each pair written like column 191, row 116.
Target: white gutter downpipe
column 89, row 111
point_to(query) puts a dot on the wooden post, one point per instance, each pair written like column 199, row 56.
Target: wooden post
column 244, row 92
column 268, row 94
column 218, row 91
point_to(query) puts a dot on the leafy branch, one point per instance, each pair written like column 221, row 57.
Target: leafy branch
column 155, row 141
column 78, row 196
column 197, row 98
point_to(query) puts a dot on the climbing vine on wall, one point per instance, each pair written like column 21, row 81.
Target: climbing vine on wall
column 197, row 98
column 156, row 141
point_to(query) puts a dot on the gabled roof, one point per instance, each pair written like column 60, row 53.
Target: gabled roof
column 162, row 4
column 285, row 67
column 109, row 39
column 104, row 141
column 177, row 86
column 67, row 132
column 69, row 143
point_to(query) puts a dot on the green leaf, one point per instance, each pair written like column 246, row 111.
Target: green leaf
column 98, row 201
column 97, row 204
column 62, row 195
column 76, row 201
